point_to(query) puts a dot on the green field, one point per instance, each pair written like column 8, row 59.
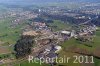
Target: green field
column 59, row 25
column 9, row 35
column 26, row 63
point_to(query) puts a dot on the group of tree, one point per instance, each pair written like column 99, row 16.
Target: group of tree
column 40, row 19
column 23, row 46
column 61, row 17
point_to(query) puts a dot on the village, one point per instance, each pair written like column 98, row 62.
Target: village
column 48, row 42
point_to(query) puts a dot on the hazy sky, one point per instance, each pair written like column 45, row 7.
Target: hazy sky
column 42, row 1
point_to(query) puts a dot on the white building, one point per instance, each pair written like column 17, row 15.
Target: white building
column 58, row 48
column 65, row 32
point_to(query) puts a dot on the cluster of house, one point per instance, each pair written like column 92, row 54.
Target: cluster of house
column 38, row 28
column 82, row 17
column 49, row 52
column 88, row 30
column 39, row 25
column 47, row 47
